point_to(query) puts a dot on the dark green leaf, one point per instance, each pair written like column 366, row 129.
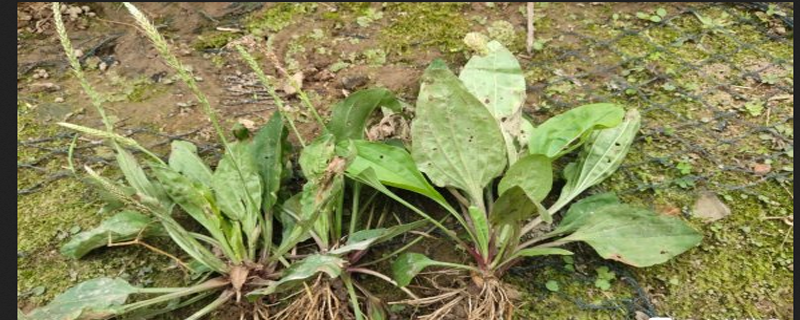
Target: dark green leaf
column 349, row 117
column 456, row 140
column 315, row 156
column 94, row 299
column 513, row 207
column 408, row 265
column 534, row 252
column 393, row 166
column 238, row 192
column 268, row 152
column 123, row 226
column 565, row 132
column 581, row 210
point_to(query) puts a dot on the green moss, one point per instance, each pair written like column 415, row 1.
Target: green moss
column 279, row 16
column 213, row 40
column 44, row 220
column 425, row 25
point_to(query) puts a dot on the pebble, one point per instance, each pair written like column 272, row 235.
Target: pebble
column 78, row 53
column 58, row 100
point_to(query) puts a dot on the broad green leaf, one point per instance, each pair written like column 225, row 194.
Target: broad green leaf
column 479, row 221
column 93, row 299
column 533, row 173
column 123, row 226
column 583, row 209
column 456, row 140
column 315, row 156
column 408, row 265
column 565, row 132
column 268, row 151
column 496, row 80
column 635, row 236
column 302, row 270
column 183, row 159
column 601, row 156
column 235, row 189
column 393, row 166
column 533, row 252
column 349, row 117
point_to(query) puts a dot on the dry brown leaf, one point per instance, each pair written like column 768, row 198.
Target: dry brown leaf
column 710, row 208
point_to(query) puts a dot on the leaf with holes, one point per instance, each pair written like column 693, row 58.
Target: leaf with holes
column 601, row 156
column 456, row 140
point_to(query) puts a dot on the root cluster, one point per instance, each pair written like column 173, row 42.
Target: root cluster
column 319, row 301
column 491, row 300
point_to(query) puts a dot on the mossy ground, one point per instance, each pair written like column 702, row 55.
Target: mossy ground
column 691, row 82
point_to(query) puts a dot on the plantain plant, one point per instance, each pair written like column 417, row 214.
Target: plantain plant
column 468, row 136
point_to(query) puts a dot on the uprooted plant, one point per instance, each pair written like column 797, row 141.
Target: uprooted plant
column 318, row 275
column 236, row 205
column 468, row 136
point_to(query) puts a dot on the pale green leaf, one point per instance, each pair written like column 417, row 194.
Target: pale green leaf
column 349, row 117
column 123, row 226
column 408, row 265
column 135, row 176
column 601, row 156
column 513, row 207
column 533, row 173
column 533, row 252
column 456, row 140
column 635, row 236
column 315, row 156
column 93, row 299
column 497, row 81
column 183, row 159
column 565, row 132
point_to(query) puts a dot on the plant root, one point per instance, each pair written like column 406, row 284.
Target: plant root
column 492, row 300
column 320, row 301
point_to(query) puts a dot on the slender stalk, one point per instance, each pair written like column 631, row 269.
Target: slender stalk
column 384, row 278
column 353, row 297
column 159, row 290
column 205, row 286
column 271, row 90
column 224, row 297
column 538, row 220
column 303, row 97
column 396, row 252
column 171, row 60
column 354, row 210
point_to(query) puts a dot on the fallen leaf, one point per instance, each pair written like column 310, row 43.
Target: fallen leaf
column 249, row 124
column 641, row 316
column 709, row 208
column 761, row 168
column 668, row 210
column 296, row 79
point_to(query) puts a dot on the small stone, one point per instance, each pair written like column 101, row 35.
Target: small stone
column 780, row 30
column 102, row 66
column 709, row 208
column 58, row 100
column 78, row 53
column 353, row 82
column 85, row 9
column 91, row 14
